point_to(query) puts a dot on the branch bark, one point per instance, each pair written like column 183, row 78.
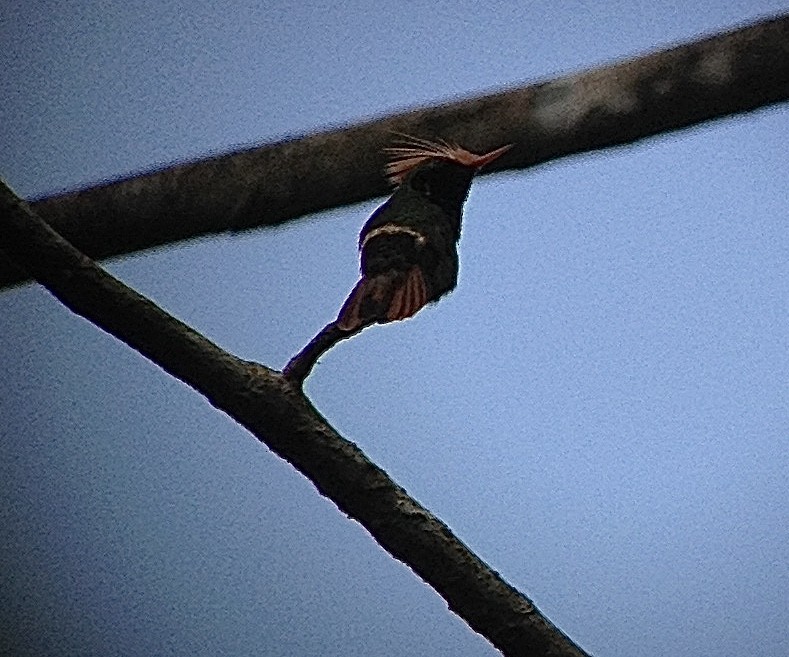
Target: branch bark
column 280, row 416
column 725, row 74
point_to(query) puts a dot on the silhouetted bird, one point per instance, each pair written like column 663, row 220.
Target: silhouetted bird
column 408, row 246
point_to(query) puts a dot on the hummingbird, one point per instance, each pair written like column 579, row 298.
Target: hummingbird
column 408, row 247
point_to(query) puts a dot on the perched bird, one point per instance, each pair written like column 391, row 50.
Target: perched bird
column 408, row 246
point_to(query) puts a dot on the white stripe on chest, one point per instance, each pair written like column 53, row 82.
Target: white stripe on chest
column 393, row 229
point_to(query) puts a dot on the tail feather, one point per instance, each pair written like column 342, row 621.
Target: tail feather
column 349, row 318
column 383, row 299
column 409, row 297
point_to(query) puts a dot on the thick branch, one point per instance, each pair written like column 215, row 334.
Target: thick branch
column 280, row 416
column 667, row 90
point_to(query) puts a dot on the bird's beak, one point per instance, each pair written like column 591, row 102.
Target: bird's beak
column 480, row 161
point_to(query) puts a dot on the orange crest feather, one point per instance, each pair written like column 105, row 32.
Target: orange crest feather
column 414, row 151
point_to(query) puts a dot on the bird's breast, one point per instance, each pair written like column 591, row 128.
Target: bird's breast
column 392, row 247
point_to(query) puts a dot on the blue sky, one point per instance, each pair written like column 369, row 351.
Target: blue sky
column 599, row 410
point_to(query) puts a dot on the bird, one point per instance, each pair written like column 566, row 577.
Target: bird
column 408, row 246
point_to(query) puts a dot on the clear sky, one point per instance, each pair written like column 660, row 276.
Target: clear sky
column 599, row 410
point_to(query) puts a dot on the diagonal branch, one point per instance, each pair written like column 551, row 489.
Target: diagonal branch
column 281, row 417
column 725, row 74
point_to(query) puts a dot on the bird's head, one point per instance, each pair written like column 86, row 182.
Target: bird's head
column 439, row 171
column 414, row 153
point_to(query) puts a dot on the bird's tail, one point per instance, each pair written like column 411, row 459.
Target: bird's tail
column 383, row 298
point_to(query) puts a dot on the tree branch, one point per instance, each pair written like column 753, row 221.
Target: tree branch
column 280, row 416
column 299, row 367
column 725, row 74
